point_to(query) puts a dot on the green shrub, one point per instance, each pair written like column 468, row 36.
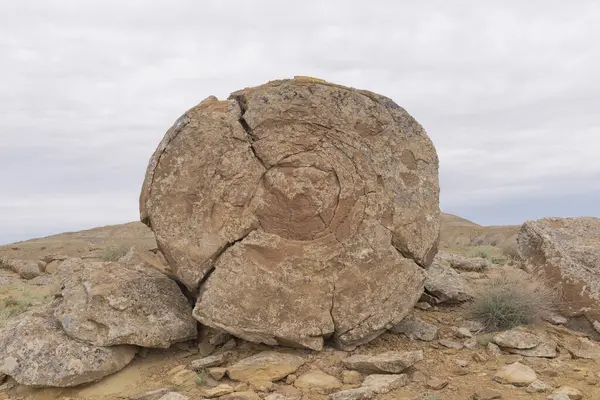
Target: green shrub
column 201, row 378
column 114, row 253
column 510, row 302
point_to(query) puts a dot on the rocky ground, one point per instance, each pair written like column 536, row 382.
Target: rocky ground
column 438, row 353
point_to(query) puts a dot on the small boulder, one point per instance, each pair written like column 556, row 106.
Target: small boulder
column 546, row 349
column 571, row 393
column 35, row 351
column 582, row 347
column 206, row 362
column 416, row 328
column 463, row 333
column 26, row 269
column 445, row 285
column 351, row 377
column 109, row 303
column 392, row 362
column 451, row 344
column 267, row 366
column 217, row 391
column 493, row 349
column 516, row 339
column 362, row 393
column 217, row 373
column 317, row 381
column 515, row 374
column 538, row 387
column 382, row 384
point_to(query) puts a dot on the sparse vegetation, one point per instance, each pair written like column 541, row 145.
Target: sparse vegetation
column 201, row 378
column 510, row 302
column 431, row 396
column 495, row 255
column 511, row 253
column 114, row 253
column 13, row 307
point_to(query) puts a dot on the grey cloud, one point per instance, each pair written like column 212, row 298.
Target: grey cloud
column 508, row 91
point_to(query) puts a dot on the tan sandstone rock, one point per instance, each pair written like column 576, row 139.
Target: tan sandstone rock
column 566, row 253
column 316, row 201
column 106, row 304
column 317, row 381
column 37, row 352
column 515, row 374
column 267, row 366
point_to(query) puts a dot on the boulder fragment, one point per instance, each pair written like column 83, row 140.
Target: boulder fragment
column 109, row 303
column 391, row 362
column 445, row 285
column 37, row 352
column 565, row 253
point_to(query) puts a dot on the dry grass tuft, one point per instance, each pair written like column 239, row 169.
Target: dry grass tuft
column 508, row 302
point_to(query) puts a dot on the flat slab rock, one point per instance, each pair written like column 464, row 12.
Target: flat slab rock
column 267, row 366
column 37, row 352
column 517, row 339
column 110, row 303
column 382, row 384
column 289, row 208
column 565, row 252
column 392, row 362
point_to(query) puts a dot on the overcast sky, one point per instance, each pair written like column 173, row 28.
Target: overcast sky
column 509, row 92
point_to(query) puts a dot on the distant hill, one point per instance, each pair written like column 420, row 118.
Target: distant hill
column 457, row 234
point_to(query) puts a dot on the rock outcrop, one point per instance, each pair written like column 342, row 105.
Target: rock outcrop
column 37, row 352
column 565, row 252
column 298, row 210
column 110, row 303
column 26, row 269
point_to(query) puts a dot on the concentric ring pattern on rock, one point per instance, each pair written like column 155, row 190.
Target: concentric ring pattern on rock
column 297, row 210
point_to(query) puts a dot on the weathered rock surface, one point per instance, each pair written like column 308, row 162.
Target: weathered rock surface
column 107, row 304
column 566, row 253
column 267, row 366
column 318, row 202
column 206, row 362
column 361, row 393
column 515, row 374
column 581, row 347
column 26, row 269
column 317, row 381
column 569, row 392
column 391, row 362
column 516, row 339
column 445, row 285
column 37, row 352
column 416, row 328
column 382, row 384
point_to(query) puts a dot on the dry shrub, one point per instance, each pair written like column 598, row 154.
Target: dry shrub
column 511, row 253
column 508, row 302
